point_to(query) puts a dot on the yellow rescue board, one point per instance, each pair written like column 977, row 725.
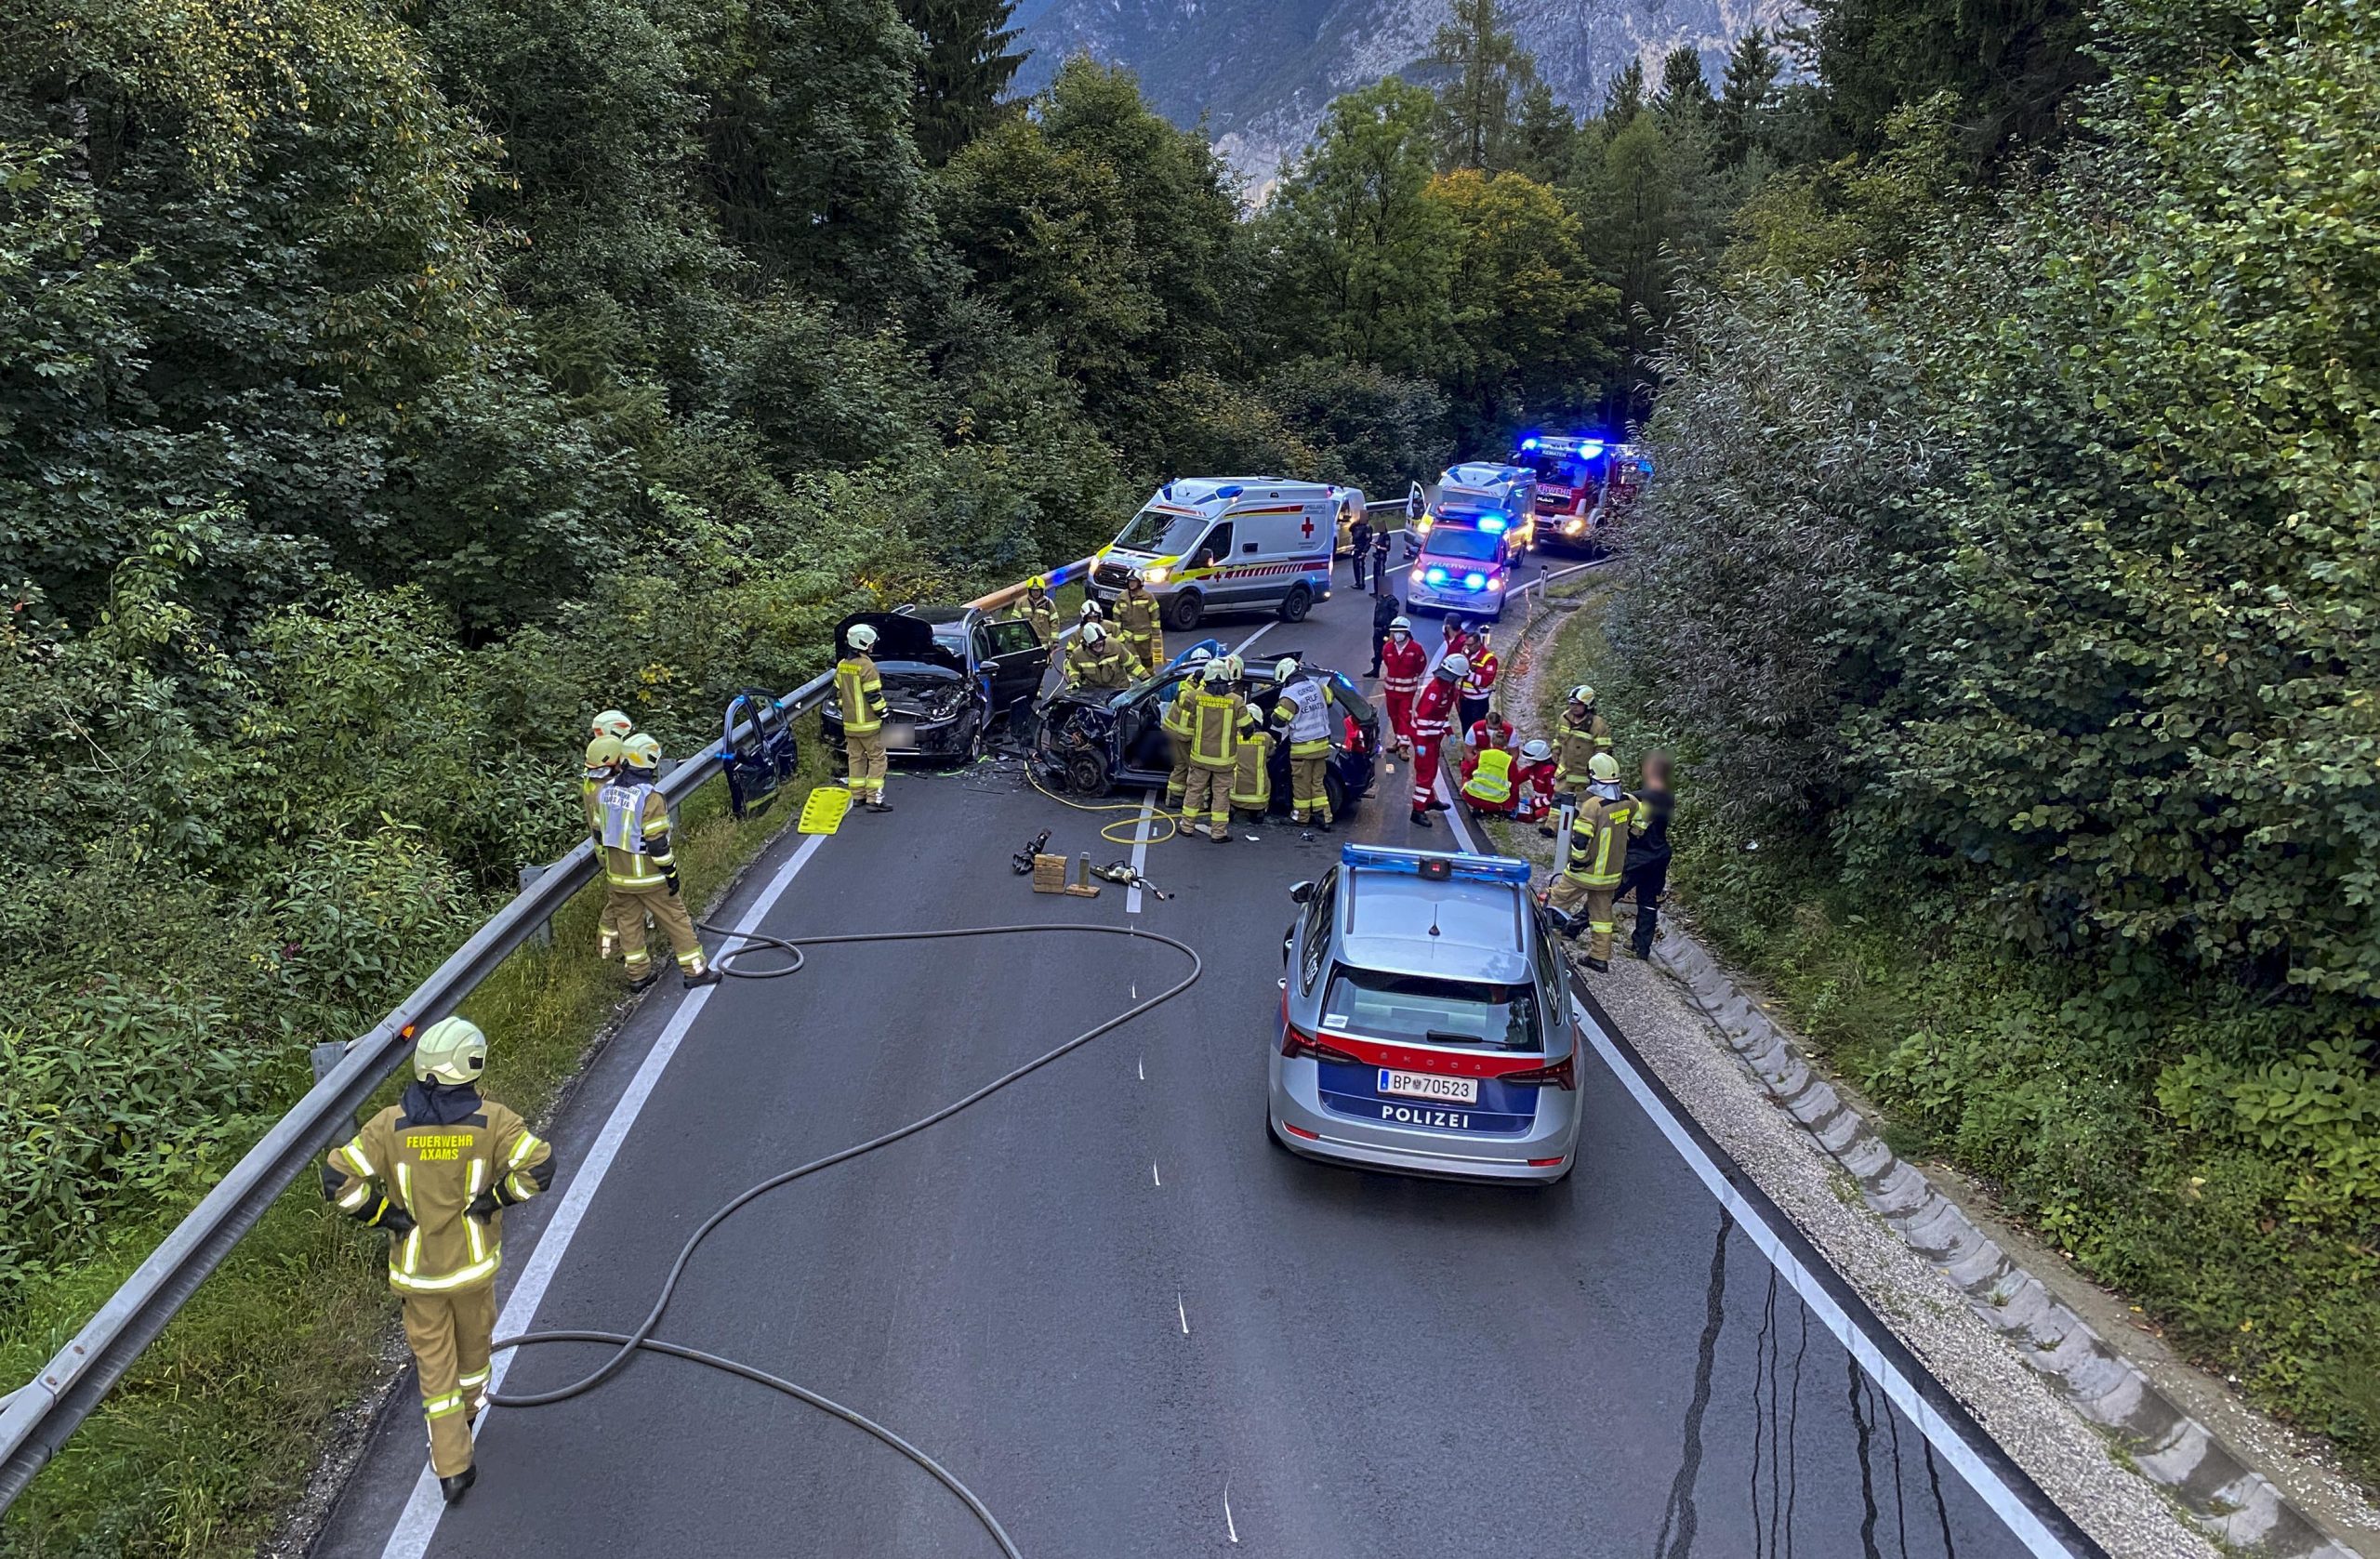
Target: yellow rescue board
column 822, row 814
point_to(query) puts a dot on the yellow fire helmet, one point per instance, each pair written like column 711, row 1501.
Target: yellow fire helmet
column 1037, row 582
column 641, row 752
column 612, row 722
column 1583, row 695
column 1283, row 668
column 602, row 753
column 1604, row 768
column 1216, row 672
column 450, row 1050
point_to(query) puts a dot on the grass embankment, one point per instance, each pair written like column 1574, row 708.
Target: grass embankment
column 214, row 1432
column 2129, row 1116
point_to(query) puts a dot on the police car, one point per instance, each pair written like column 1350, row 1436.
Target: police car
column 1425, row 1022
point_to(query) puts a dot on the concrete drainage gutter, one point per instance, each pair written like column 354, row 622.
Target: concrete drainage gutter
column 2239, row 1506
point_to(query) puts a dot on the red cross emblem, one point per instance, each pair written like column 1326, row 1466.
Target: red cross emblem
column 1307, row 526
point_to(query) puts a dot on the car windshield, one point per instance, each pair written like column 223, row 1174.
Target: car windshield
column 1432, row 1012
column 1459, row 541
column 1155, row 530
column 1563, row 470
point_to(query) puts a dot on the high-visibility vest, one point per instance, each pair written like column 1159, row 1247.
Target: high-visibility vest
column 1492, row 781
column 1599, row 842
column 633, row 814
column 1214, row 740
column 861, row 693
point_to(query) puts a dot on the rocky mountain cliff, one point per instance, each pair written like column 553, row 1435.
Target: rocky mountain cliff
column 1262, row 70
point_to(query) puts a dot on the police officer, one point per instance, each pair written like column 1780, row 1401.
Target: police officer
column 604, row 757
column 859, row 689
column 1648, row 873
column 436, row 1171
column 1214, row 751
column 1359, row 544
column 1302, row 718
column 1040, row 611
column 1136, row 618
column 1598, row 859
column 1578, row 737
column 1175, row 723
column 641, row 865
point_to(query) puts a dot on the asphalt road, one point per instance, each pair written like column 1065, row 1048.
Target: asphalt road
column 1107, row 1304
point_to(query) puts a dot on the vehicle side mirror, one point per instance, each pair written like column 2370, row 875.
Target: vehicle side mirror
column 1300, row 892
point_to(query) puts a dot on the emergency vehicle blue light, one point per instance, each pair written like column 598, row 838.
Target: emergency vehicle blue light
column 1228, row 492
column 1590, row 447
column 1435, row 577
column 1430, row 862
column 1475, row 580
column 1529, row 443
column 1490, row 523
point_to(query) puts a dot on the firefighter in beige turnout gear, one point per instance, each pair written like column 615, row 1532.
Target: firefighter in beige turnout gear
column 1175, row 723
column 642, row 869
column 436, row 1171
column 1598, row 859
column 604, row 755
column 1136, row 618
column 860, row 691
column 1302, row 719
column 1214, row 751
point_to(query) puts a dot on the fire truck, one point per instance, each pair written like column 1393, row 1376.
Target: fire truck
column 1574, row 487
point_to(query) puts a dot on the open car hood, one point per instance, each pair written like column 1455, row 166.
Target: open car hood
column 898, row 637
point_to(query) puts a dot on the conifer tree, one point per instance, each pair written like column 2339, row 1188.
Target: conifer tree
column 967, row 64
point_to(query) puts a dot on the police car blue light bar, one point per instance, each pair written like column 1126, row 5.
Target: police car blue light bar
column 1490, row 523
column 1434, row 864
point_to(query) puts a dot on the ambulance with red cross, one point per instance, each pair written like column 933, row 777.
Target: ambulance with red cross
column 1210, row 543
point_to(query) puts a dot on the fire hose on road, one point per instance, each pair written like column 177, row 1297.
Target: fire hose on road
column 626, row 1344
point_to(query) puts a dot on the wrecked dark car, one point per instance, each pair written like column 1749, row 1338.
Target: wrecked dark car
column 1093, row 740
column 949, row 673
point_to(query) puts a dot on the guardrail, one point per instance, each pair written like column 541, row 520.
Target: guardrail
column 37, row 1418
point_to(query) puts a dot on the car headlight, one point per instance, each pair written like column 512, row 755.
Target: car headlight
column 1573, row 525
column 1155, row 576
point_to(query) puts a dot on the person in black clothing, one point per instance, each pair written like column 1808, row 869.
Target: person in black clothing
column 1359, row 540
column 1384, row 612
column 1380, row 552
column 1647, row 875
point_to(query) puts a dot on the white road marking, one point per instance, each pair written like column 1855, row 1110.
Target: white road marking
column 1153, row 1177
column 1180, row 1310
column 1980, row 1475
column 1141, row 1064
column 1241, row 648
column 1230, row 1525
column 1140, row 861
column 418, row 1525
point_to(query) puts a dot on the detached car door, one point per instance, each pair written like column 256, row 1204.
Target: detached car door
column 1016, row 660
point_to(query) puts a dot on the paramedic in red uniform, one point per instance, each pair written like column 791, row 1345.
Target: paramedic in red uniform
column 1403, row 661
column 1433, row 721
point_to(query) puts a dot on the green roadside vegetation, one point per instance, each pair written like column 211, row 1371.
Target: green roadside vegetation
column 214, row 1432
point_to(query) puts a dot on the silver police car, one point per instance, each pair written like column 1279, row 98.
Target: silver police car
column 1425, row 1022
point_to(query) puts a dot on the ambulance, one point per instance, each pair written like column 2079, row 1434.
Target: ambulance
column 1229, row 544
column 1483, row 496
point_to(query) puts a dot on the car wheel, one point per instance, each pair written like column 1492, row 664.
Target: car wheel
column 1335, row 793
column 1184, row 611
column 1296, row 604
column 1087, row 775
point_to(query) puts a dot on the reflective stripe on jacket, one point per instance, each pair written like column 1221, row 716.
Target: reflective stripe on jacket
column 1575, row 747
column 1214, row 730
column 1434, row 710
column 1251, row 779
column 860, row 690
column 1492, row 781
column 1482, row 680
column 636, row 836
column 433, row 1172
column 1136, row 614
column 1043, row 615
column 1402, row 664
column 1599, row 842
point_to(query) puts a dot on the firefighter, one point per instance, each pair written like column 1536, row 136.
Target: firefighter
column 1647, row 875
column 1432, row 717
column 436, row 1171
column 1533, row 775
column 1404, row 662
column 1175, row 723
column 1301, row 719
column 604, row 757
column 1092, row 660
column 1598, row 859
column 1040, row 611
column 642, row 869
column 614, row 723
column 1136, row 618
column 1251, row 779
column 1214, row 751
column 1578, row 735
column 1480, row 685
column 860, row 689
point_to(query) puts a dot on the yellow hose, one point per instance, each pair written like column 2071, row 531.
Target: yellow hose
column 1108, row 831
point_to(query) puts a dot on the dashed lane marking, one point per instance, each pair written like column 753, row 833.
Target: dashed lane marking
column 1179, row 1309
